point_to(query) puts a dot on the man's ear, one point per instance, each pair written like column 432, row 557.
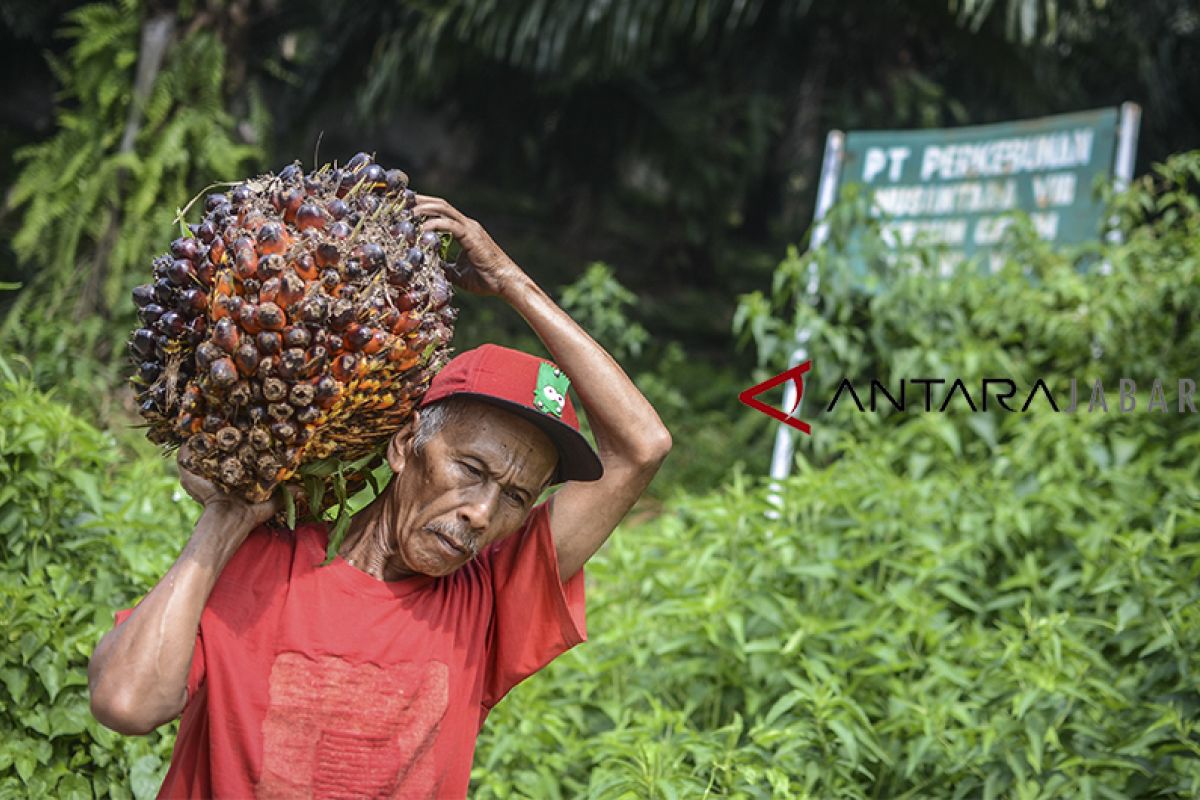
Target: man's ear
column 398, row 448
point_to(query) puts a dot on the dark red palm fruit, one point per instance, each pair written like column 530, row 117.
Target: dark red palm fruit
column 243, row 244
column 337, row 208
column 340, row 230
column 375, row 177
column 291, row 288
column 354, row 273
column 240, row 194
column 184, row 247
column 292, row 363
column 345, row 366
column 306, row 267
column 269, row 343
column 273, row 238
column 228, row 438
column 225, row 334
column 415, row 257
column 206, row 232
column 217, row 252
column 143, row 342
column 334, row 343
column 252, row 219
column 223, row 373
column 356, row 335
column 407, row 301
column 245, row 264
column 317, row 359
column 274, row 390
column 248, row 318
column 143, row 295
column 407, row 323
column 195, row 299
column 292, row 200
column 204, row 273
column 192, row 400
column 279, row 411
column 271, row 266
column 250, row 288
column 213, row 201
column 206, row 354
column 202, row 444
column 396, row 179
column 180, row 273
column 302, row 394
column 164, row 292
column 267, row 466
column 260, row 438
column 429, row 240
column 232, row 473
column 270, row 317
column 246, row 358
column 358, row 161
column 327, row 255
column 283, row 431
column 172, row 324
column 327, row 391
column 297, row 336
column 196, row 330
column 291, row 173
column 368, row 204
column 269, row 291
column 314, row 309
column 150, row 313
column 341, row 314
column 149, row 371
column 241, row 394
column 310, row 215
column 268, row 367
column 378, row 340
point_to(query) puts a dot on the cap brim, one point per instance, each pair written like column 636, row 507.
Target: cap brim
column 577, row 461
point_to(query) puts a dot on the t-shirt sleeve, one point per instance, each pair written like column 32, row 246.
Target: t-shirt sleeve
column 536, row 616
column 196, row 673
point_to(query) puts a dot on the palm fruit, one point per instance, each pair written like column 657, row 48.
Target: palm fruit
column 301, row 321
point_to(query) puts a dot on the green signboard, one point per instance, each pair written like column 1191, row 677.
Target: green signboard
column 956, row 189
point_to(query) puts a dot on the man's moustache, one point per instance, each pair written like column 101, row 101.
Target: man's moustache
column 459, row 534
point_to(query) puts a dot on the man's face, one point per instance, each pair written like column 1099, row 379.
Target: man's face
column 473, row 483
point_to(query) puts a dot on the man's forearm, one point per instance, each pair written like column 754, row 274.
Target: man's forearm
column 622, row 420
column 138, row 673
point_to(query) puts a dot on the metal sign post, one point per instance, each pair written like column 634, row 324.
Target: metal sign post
column 781, row 454
column 956, row 189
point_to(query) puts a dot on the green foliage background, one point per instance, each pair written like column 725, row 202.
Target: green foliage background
column 944, row 605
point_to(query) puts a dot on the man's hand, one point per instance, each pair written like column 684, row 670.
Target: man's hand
column 483, row 268
column 211, row 496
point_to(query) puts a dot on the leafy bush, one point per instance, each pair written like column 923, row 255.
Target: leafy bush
column 949, row 605
column 83, row 532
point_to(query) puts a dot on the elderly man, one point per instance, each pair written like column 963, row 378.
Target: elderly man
column 371, row 676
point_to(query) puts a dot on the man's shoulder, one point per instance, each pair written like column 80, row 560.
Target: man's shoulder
column 272, row 546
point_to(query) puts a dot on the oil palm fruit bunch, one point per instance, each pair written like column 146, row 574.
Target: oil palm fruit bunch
column 299, row 323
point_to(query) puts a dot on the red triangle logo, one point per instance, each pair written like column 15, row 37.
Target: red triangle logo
column 796, row 373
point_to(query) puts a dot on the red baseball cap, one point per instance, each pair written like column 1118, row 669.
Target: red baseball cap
column 530, row 387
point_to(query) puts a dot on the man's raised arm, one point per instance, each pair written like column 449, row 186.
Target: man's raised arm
column 632, row 441
column 137, row 676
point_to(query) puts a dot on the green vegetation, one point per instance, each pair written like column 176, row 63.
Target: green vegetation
column 954, row 605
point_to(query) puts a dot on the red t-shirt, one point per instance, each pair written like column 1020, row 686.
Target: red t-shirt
column 323, row 682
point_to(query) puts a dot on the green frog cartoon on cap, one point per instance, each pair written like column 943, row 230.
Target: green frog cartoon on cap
column 550, row 394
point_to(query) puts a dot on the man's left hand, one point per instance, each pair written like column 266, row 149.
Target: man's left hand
column 482, row 268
